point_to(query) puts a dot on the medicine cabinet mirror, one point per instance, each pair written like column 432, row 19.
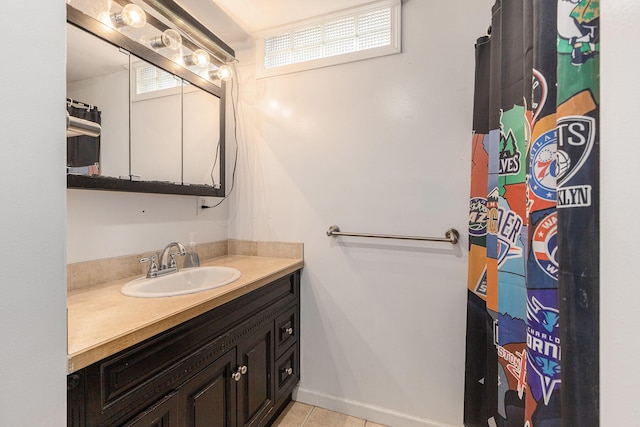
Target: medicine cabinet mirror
column 142, row 116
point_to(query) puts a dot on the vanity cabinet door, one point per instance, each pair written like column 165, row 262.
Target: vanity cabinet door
column 256, row 386
column 162, row 414
column 209, row 398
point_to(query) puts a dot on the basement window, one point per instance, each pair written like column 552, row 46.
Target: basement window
column 151, row 79
column 363, row 32
column 150, row 82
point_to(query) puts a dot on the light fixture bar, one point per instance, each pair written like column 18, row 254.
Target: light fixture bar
column 192, row 28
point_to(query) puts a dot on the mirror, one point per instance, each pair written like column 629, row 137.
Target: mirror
column 156, row 123
column 201, row 162
column 159, row 120
column 98, row 76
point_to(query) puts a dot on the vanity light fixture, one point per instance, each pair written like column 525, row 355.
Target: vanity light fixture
column 169, row 38
column 199, row 58
column 224, row 73
column 131, row 15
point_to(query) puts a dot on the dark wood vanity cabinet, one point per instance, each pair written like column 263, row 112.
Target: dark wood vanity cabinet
column 235, row 365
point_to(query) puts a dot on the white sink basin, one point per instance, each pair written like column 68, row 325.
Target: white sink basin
column 187, row 281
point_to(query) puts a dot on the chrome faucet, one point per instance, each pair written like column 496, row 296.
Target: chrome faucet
column 167, row 261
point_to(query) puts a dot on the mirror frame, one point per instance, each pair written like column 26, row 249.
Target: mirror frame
column 96, row 28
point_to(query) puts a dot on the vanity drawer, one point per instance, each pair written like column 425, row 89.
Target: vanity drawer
column 287, row 372
column 287, row 330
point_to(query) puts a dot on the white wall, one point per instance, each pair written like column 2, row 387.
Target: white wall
column 619, row 232
column 104, row 224
column 377, row 146
column 32, row 228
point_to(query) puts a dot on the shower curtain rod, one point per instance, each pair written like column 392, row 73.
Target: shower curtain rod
column 450, row 236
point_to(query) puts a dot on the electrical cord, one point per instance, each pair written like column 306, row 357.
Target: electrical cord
column 235, row 137
column 215, row 162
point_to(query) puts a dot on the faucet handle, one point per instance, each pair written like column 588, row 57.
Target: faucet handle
column 153, row 266
column 172, row 261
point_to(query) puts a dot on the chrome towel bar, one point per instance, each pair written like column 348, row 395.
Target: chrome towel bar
column 450, row 236
column 77, row 127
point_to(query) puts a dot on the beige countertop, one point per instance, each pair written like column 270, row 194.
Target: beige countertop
column 101, row 321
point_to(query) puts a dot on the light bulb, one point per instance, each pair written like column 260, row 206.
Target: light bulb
column 223, row 72
column 198, row 58
column 201, row 58
column 169, row 38
column 131, row 15
column 134, row 16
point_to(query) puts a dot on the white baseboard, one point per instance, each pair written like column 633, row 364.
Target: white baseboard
column 372, row 413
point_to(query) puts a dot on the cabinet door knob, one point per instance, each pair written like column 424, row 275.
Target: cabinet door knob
column 288, row 371
column 288, row 330
column 237, row 375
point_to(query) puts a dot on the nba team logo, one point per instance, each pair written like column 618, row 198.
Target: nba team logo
column 543, row 165
column 540, row 92
column 543, row 344
column 478, row 216
column 576, row 136
column 481, row 286
column 509, row 154
column 545, row 245
column 506, row 226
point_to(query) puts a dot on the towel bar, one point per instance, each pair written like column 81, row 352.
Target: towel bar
column 450, row 236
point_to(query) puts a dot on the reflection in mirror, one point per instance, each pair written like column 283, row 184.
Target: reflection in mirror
column 201, row 137
column 97, row 90
column 156, row 124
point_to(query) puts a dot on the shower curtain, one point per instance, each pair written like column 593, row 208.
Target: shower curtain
column 533, row 282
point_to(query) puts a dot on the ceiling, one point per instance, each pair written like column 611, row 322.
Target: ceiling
column 252, row 16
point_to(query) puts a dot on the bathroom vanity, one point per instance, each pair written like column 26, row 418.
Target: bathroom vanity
column 223, row 357
column 146, row 104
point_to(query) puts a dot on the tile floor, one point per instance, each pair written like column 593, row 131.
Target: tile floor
column 298, row 414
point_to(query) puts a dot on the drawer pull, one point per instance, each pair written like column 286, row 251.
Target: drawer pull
column 288, row 330
column 288, row 371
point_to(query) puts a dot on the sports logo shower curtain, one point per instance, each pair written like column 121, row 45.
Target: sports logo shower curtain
column 533, row 284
